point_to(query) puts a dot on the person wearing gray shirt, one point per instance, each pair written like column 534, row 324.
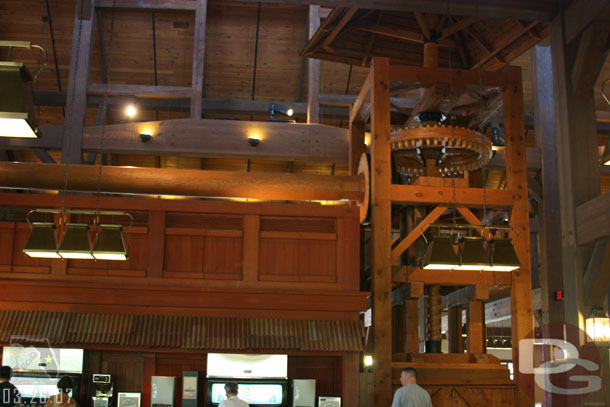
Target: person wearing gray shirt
column 410, row 394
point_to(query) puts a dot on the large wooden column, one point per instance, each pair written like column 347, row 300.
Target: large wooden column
column 578, row 46
column 76, row 101
column 551, row 276
column 198, row 59
column 313, row 71
column 577, row 154
column 516, row 177
column 381, row 178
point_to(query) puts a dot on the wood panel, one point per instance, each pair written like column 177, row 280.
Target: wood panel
column 280, row 267
column 7, row 232
column 222, row 258
column 325, row 369
column 184, row 254
column 173, row 364
column 472, row 396
column 125, row 368
column 318, row 258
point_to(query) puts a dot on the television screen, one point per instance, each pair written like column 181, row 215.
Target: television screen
column 36, row 387
column 252, row 393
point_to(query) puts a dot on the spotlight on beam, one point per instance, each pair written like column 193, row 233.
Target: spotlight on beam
column 275, row 108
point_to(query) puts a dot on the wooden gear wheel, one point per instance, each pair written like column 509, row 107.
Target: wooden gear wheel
column 454, row 149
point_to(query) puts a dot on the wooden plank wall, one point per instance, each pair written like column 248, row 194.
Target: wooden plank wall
column 229, row 50
column 206, row 245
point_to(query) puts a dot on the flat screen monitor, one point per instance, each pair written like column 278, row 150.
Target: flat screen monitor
column 39, row 388
column 255, row 394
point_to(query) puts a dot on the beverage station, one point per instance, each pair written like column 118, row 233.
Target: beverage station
column 262, row 380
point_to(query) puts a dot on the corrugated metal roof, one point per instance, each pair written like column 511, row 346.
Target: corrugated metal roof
column 182, row 332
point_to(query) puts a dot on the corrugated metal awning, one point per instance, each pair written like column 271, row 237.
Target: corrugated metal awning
column 180, row 332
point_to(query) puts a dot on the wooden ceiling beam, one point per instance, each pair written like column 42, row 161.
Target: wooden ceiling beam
column 222, row 138
column 581, row 13
column 140, row 91
column 540, row 10
column 597, row 278
column 458, row 25
column 423, row 24
column 486, row 47
column 593, row 219
column 361, row 109
column 590, row 58
column 148, row 4
column 402, row 34
column 337, row 29
column 403, row 274
column 502, row 46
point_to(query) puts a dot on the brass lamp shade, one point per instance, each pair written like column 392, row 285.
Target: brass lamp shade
column 109, row 244
column 42, row 242
column 76, row 243
column 503, row 256
column 17, row 112
column 473, row 255
column 440, row 255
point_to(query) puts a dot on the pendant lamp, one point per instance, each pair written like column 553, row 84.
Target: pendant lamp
column 42, row 242
column 473, row 255
column 110, row 244
column 76, row 243
column 440, row 255
column 503, row 256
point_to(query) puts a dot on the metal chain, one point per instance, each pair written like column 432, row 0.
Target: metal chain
column 105, row 105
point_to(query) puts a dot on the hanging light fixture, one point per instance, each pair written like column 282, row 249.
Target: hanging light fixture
column 42, row 242
column 18, row 116
column 110, row 244
column 597, row 326
column 76, row 243
column 503, row 256
column 440, row 255
column 473, row 255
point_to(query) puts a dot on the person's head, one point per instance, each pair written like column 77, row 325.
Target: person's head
column 231, row 389
column 408, row 375
column 6, row 373
column 65, row 384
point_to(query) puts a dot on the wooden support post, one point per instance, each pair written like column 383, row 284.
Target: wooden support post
column 76, row 103
column 198, row 59
column 356, row 145
column 578, row 165
column 351, row 379
column 475, row 342
column 433, row 341
column 454, row 330
column 313, row 70
column 381, row 177
column 412, row 325
column 551, row 277
column 516, row 176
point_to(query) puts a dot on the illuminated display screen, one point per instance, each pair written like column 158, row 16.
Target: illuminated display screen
column 252, row 393
column 36, row 387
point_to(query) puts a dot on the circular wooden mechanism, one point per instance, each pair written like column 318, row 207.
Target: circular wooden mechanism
column 433, row 149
